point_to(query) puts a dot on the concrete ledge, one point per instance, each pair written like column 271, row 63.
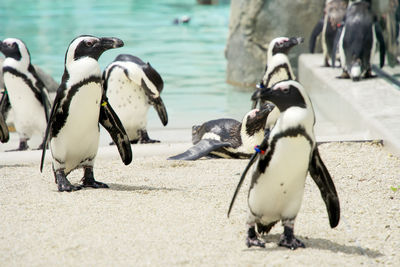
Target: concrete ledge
column 368, row 109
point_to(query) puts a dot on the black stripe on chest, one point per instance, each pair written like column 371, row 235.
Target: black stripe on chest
column 60, row 117
column 35, row 88
column 291, row 132
column 278, row 68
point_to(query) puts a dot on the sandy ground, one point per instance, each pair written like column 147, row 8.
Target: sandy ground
column 171, row 213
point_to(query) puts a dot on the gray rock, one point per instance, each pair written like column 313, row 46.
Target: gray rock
column 254, row 23
column 48, row 81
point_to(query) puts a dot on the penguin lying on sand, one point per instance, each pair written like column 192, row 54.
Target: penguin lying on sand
column 227, row 138
column 335, row 11
column 131, row 87
column 25, row 91
column 357, row 42
column 282, row 164
column 80, row 105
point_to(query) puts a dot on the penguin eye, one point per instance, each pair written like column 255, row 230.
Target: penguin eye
column 285, row 90
column 89, row 43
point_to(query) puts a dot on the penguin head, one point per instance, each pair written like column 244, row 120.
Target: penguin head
column 90, row 46
column 255, row 119
column 284, row 95
column 16, row 49
column 283, row 45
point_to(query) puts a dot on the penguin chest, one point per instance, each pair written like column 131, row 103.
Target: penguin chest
column 29, row 112
column 78, row 139
column 130, row 103
column 278, row 192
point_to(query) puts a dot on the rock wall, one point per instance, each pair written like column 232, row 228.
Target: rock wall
column 254, row 23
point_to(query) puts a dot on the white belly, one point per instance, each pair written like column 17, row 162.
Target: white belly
column 129, row 102
column 279, row 190
column 29, row 115
column 78, row 140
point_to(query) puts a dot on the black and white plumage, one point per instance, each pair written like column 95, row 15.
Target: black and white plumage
column 278, row 179
column 25, row 91
column 328, row 27
column 132, row 86
column 278, row 68
column 4, row 106
column 80, row 105
column 357, row 42
column 227, row 138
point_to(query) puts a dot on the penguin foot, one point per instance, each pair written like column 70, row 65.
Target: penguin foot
column 89, row 181
column 252, row 239
column 63, row 183
column 145, row 139
column 254, row 242
column 369, row 75
column 23, row 145
column 149, row 141
column 289, row 240
column 344, row 75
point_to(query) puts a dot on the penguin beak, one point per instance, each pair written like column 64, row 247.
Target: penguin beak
column 295, row 41
column 110, row 43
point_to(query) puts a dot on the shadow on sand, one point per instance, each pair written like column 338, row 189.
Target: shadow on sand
column 324, row 244
column 123, row 187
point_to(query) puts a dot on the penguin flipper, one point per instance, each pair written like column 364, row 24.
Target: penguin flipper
column 314, row 34
column 252, row 159
column 201, row 149
column 322, row 178
column 4, row 106
column 161, row 110
column 110, row 121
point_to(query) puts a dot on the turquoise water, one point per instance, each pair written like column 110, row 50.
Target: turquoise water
column 190, row 58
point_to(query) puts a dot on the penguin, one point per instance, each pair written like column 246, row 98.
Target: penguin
column 357, row 42
column 80, row 105
column 4, row 106
column 227, row 138
column 25, row 91
column 327, row 27
column 277, row 69
column 282, row 163
column 132, row 86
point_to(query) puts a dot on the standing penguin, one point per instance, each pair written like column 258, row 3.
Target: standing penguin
column 227, row 138
column 328, row 26
column 25, row 91
column 287, row 155
column 357, row 42
column 131, row 87
column 277, row 69
column 80, row 104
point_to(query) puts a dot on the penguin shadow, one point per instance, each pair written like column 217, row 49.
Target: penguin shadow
column 323, row 244
column 132, row 188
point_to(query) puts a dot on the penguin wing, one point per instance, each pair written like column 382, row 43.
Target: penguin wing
column 381, row 41
column 260, row 149
column 44, row 96
column 4, row 106
column 110, row 121
column 322, row 178
column 56, row 104
column 201, row 149
column 314, row 34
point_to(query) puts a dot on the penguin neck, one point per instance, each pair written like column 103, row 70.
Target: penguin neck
column 279, row 69
column 21, row 65
column 295, row 117
column 83, row 68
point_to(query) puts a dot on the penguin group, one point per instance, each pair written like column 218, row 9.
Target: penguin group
column 350, row 34
column 276, row 134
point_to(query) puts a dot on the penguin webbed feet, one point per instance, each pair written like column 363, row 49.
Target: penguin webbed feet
column 23, row 145
column 288, row 239
column 145, row 139
column 63, row 183
column 89, row 181
column 252, row 240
